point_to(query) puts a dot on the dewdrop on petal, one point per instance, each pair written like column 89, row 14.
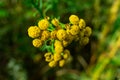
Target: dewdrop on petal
column 82, row 24
column 61, row 63
column 88, row 31
column 34, row 31
column 37, row 43
column 74, row 19
column 61, row 34
column 52, row 63
column 43, row 24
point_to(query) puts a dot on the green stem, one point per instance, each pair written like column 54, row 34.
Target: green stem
column 37, row 8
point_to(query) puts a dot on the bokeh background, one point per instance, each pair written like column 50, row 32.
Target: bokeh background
column 98, row 60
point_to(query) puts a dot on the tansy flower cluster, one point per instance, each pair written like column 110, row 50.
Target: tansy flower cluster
column 53, row 37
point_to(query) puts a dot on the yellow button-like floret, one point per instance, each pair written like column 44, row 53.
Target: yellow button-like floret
column 48, row 56
column 57, row 57
column 84, row 41
column 43, row 24
column 61, row 34
column 74, row 30
column 88, row 31
column 52, row 63
column 55, row 22
column 82, row 24
column 37, row 43
column 74, row 19
column 58, row 47
column 61, row 63
column 66, row 54
column 34, row 31
column 45, row 35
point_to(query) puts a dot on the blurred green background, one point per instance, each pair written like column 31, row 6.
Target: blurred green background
column 99, row 60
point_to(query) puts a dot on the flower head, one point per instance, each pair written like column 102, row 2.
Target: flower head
column 61, row 63
column 52, row 63
column 74, row 30
column 48, row 56
column 34, row 31
column 74, row 19
column 43, row 24
column 82, row 24
column 55, row 22
column 45, row 35
column 37, row 43
column 66, row 54
column 57, row 57
column 88, row 31
column 61, row 34
column 58, row 47
column 84, row 41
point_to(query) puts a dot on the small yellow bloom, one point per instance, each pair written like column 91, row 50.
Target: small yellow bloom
column 53, row 34
column 52, row 63
column 66, row 54
column 48, row 56
column 58, row 46
column 45, row 35
column 34, row 31
column 74, row 19
column 61, row 63
column 84, row 41
column 37, row 43
column 82, row 24
column 81, row 33
column 74, row 30
column 55, row 22
column 61, row 34
column 43, row 24
column 88, row 31
column 57, row 56
column 65, row 43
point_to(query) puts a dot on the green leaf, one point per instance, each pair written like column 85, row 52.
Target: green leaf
column 3, row 13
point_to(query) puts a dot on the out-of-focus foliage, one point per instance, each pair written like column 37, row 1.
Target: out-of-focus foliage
column 99, row 60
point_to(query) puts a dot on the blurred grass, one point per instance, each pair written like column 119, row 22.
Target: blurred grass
column 19, row 60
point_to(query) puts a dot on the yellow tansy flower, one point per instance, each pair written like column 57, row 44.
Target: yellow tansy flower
column 74, row 30
column 61, row 63
column 37, row 43
column 82, row 24
column 55, row 22
column 48, row 56
column 66, row 54
column 61, row 34
column 84, row 41
column 53, row 34
column 34, row 31
column 43, row 24
column 45, row 35
column 58, row 47
column 88, row 31
column 65, row 43
column 74, row 19
column 52, row 63
column 57, row 56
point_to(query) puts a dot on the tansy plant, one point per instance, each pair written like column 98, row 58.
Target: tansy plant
column 53, row 37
